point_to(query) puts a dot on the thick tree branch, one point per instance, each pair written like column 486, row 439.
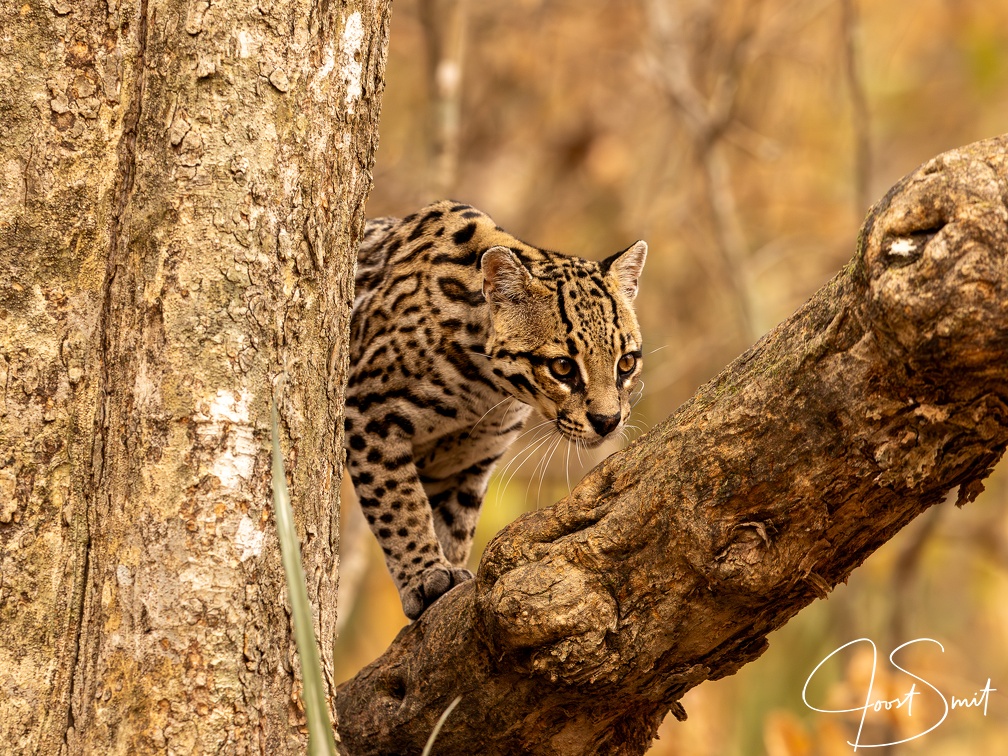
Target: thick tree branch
column 671, row 561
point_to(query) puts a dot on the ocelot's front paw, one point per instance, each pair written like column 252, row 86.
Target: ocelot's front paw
column 428, row 586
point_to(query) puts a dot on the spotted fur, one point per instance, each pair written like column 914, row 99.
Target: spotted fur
column 459, row 332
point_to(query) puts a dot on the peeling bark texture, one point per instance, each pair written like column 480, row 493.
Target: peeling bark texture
column 181, row 189
column 671, row 561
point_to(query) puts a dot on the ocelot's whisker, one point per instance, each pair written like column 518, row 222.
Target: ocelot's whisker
column 539, row 443
column 567, row 467
column 633, row 426
column 533, row 430
column 522, row 452
column 525, row 454
column 503, row 471
column 546, row 460
column 638, row 394
column 535, row 427
column 500, row 428
column 469, row 434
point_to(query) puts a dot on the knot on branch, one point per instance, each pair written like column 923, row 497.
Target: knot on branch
column 934, row 254
column 555, row 615
column 747, row 549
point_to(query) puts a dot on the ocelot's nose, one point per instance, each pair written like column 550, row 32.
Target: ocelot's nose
column 604, row 424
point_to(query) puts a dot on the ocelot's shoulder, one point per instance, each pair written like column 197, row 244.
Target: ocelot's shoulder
column 447, row 230
column 447, row 220
column 376, row 229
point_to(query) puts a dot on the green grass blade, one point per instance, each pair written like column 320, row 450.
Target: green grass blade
column 320, row 734
column 440, row 723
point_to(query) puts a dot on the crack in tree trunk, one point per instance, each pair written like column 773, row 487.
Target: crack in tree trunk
column 672, row 560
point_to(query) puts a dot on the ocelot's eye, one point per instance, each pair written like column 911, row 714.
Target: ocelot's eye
column 626, row 364
column 562, row 369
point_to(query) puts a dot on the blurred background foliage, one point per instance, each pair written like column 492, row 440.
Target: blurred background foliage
column 744, row 140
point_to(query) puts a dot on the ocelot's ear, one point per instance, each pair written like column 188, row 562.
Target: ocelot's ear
column 626, row 267
column 505, row 278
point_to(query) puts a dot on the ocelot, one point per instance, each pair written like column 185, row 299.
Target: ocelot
column 459, row 332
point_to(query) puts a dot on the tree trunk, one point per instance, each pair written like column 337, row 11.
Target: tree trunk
column 182, row 187
column 671, row 561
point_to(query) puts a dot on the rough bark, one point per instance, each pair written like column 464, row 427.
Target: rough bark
column 181, row 185
column 670, row 562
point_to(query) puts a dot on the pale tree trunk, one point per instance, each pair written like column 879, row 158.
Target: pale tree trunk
column 181, row 184
column 672, row 560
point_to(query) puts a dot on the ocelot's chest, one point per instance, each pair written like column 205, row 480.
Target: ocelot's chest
column 451, row 448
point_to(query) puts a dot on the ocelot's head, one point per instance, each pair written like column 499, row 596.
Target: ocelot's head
column 564, row 337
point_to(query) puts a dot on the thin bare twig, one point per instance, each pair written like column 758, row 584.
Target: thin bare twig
column 859, row 107
column 707, row 119
column 444, row 23
column 906, row 570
